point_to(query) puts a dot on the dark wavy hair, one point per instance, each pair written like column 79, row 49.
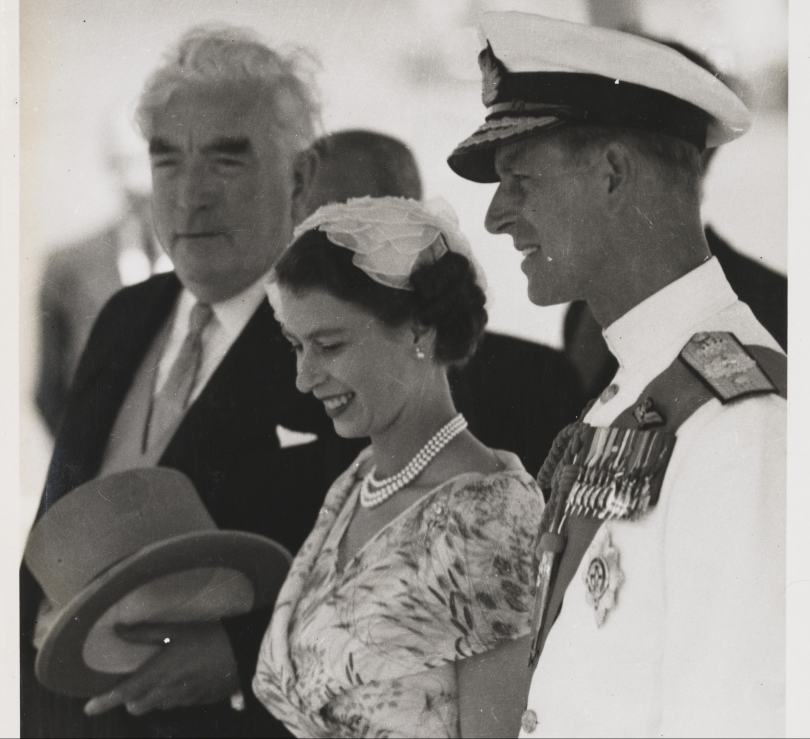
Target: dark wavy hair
column 446, row 295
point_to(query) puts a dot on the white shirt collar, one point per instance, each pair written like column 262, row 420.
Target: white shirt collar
column 234, row 313
column 670, row 315
column 231, row 314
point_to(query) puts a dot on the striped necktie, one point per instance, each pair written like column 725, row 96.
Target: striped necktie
column 169, row 405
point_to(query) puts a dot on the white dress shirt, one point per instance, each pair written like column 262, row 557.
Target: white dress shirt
column 695, row 644
column 229, row 319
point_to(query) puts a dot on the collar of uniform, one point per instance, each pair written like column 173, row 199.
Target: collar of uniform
column 231, row 314
column 669, row 316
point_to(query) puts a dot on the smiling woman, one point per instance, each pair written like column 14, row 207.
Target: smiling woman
column 413, row 591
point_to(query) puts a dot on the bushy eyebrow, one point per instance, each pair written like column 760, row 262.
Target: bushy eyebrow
column 229, row 145
column 161, row 146
column 232, row 145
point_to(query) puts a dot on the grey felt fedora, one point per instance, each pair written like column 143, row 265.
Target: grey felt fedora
column 136, row 547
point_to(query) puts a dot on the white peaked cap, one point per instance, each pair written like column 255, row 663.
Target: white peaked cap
column 541, row 72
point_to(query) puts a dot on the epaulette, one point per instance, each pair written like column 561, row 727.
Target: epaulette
column 725, row 366
column 596, row 474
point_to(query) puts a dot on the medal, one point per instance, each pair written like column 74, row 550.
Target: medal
column 548, row 551
column 646, row 414
column 603, row 577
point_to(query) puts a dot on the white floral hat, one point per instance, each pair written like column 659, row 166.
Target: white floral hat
column 391, row 237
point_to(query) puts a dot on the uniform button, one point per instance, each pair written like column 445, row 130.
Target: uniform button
column 609, row 393
column 528, row 721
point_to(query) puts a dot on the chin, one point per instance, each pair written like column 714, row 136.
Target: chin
column 348, row 430
column 543, row 294
column 543, row 298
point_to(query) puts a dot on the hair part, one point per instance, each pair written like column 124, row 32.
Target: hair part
column 221, row 53
column 446, row 296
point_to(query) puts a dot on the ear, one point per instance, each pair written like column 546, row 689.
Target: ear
column 620, row 169
column 424, row 337
column 304, row 170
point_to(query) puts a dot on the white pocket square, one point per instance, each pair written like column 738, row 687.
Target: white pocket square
column 288, row 438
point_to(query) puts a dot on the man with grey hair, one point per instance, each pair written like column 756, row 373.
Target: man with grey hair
column 189, row 370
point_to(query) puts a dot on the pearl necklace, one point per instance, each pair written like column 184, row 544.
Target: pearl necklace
column 374, row 492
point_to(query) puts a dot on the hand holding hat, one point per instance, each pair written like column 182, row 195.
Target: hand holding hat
column 195, row 665
column 139, row 549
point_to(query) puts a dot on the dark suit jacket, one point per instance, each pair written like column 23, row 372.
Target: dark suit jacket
column 227, row 445
column 516, row 395
column 762, row 289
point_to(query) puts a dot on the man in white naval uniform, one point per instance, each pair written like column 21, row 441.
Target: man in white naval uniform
column 665, row 530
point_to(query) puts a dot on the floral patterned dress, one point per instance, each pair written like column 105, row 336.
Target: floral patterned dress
column 370, row 651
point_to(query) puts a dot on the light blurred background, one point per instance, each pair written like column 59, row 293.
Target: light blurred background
column 404, row 67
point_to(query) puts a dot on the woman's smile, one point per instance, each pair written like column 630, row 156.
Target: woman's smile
column 336, row 404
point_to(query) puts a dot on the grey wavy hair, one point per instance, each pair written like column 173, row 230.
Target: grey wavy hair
column 220, row 53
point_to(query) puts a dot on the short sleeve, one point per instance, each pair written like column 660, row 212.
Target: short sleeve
column 481, row 563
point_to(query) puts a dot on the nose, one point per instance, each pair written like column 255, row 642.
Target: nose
column 310, row 371
column 196, row 191
column 500, row 214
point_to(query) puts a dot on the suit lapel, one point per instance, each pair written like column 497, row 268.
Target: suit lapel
column 250, row 393
column 114, row 351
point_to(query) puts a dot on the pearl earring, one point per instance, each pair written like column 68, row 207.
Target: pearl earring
column 420, row 354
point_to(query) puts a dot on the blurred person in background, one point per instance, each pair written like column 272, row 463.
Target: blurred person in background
column 760, row 288
column 189, row 370
column 515, row 394
column 355, row 163
column 79, row 278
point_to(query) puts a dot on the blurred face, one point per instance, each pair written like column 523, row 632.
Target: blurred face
column 548, row 204
column 362, row 371
column 221, row 188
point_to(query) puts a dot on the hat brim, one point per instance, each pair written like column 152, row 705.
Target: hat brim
column 60, row 665
column 474, row 158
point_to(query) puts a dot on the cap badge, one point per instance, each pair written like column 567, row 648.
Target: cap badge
column 492, row 71
column 603, row 577
column 646, row 414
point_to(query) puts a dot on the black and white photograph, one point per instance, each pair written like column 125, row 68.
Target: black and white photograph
column 405, row 368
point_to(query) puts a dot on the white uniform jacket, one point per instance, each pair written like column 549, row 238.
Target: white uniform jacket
column 694, row 644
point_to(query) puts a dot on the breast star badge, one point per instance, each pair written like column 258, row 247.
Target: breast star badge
column 602, row 577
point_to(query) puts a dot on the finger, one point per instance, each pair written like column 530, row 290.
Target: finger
column 162, row 697
column 131, row 689
column 145, row 633
column 102, row 703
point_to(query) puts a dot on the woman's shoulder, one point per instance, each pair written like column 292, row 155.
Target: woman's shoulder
column 505, row 494
column 509, row 479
